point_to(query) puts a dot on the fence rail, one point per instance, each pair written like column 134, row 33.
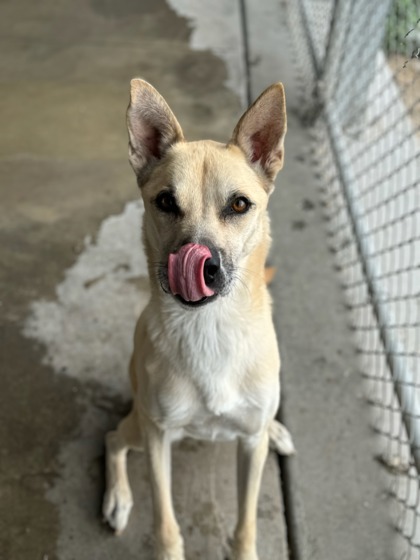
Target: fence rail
column 360, row 76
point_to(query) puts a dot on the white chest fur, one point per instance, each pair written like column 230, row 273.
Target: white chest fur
column 210, row 347
column 203, row 367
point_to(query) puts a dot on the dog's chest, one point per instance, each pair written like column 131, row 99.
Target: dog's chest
column 204, row 359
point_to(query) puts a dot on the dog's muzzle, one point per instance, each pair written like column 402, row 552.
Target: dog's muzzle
column 192, row 273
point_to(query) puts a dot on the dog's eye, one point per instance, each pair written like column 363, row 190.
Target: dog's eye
column 240, row 205
column 166, row 202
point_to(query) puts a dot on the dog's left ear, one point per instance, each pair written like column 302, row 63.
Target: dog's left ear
column 261, row 130
column 152, row 128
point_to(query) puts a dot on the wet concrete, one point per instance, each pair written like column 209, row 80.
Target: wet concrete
column 64, row 73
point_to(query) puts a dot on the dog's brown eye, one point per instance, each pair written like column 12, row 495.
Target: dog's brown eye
column 166, row 202
column 240, row 205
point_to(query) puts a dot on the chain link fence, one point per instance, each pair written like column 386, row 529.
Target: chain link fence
column 359, row 68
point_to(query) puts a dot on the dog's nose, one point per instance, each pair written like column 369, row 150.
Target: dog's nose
column 211, row 269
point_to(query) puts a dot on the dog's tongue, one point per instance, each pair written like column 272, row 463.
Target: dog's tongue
column 186, row 272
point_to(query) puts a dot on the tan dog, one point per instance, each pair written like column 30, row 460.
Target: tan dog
column 205, row 362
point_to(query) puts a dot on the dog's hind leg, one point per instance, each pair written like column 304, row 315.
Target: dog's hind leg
column 280, row 439
column 118, row 499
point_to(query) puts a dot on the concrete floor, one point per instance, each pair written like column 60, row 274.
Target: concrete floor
column 72, row 281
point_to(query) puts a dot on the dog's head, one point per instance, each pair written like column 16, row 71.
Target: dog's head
column 205, row 202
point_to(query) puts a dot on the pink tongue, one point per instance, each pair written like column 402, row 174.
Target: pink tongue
column 186, row 272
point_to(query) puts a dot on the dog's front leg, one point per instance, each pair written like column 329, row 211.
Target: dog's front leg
column 168, row 539
column 252, row 453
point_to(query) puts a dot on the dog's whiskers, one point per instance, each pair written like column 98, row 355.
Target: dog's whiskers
column 250, row 272
column 239, row 278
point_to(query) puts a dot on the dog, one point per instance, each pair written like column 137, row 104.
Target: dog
column 206, row 362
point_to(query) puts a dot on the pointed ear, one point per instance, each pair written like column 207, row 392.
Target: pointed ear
column 152, row 128
column 261, row 130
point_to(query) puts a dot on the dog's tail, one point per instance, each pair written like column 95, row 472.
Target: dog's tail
column 269, row 273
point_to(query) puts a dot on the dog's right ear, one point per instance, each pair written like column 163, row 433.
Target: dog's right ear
column 152, row 128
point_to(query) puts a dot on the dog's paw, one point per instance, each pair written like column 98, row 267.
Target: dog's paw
column 116, row 508
column 280, row 439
